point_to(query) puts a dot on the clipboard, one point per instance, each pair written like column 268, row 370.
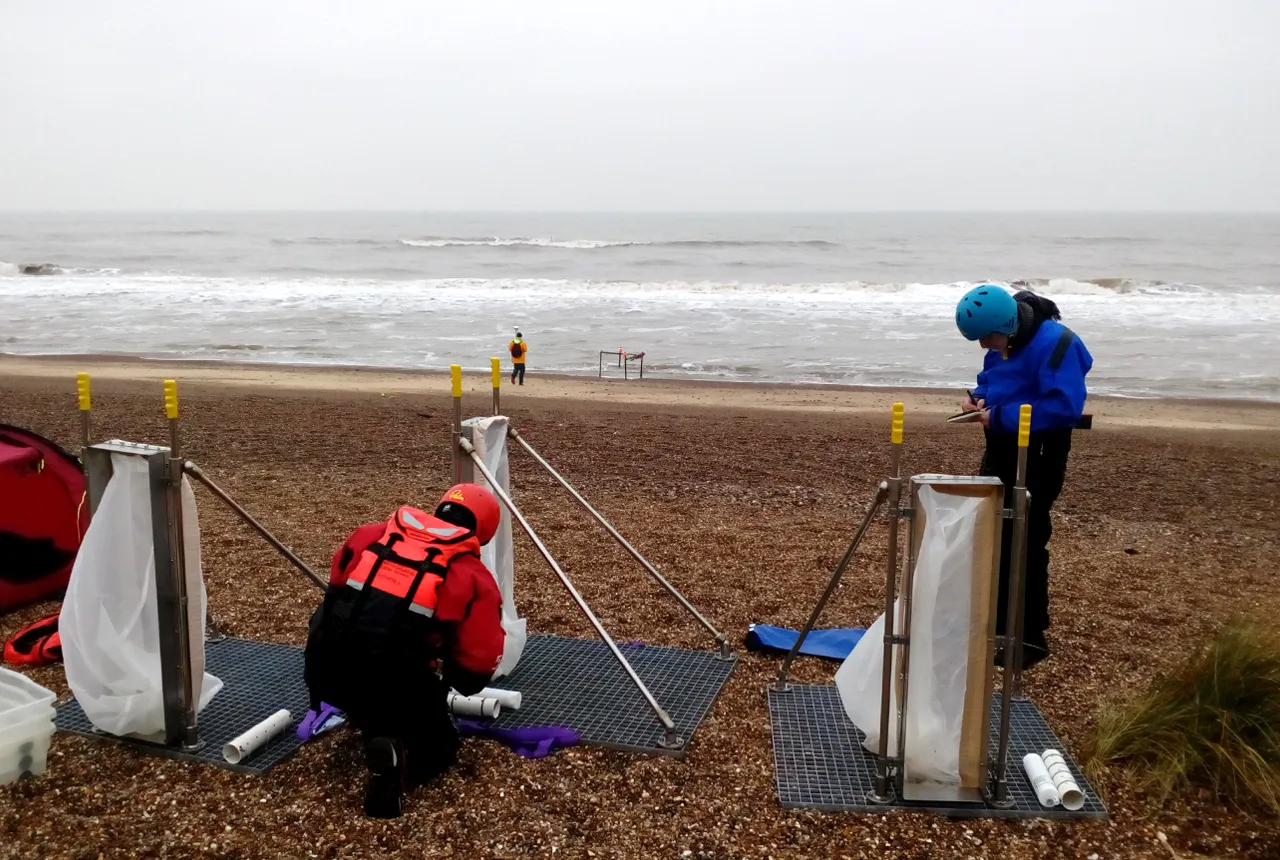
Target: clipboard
column 966, row 417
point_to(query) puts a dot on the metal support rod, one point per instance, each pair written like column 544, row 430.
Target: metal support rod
column 178, row 568
column 882, row 493
column 455, row 373
column 200, row 476
column 1019, row 550
column 904, row 653
column 672, row 737
column 894, row 494
column 1013, row 614
column 613, row 532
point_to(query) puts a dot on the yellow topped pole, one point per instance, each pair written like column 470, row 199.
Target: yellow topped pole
column 884, row 788
column 82, row 393
column 82, row 390
column 495, row 367
column 1021, row 518
column 1011, row 686
column 171, row 411
column 455, row 373
column 177, row 582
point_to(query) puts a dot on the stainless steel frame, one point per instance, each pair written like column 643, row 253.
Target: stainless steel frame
column 1011, row 683
column 785, row 671
column 722, row 641
column 909, row 791
column 165, row 474
column 196, row 472
column 672, row 739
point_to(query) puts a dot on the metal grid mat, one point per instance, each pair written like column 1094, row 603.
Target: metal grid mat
column 574, row 683
column 820, row 763
column 258, row 679
column 579, row 684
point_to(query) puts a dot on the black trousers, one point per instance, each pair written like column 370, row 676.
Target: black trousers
column 517, row 370
column 1047, row 456
column 418, row 719
column 405, row 702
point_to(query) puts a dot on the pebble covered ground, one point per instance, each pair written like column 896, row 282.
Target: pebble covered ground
column 1159, row 536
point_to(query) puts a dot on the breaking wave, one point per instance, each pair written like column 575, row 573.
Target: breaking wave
column 495, row 242
column 593, row 244
column 1099, row 286
column 314, row 281
column 324, row 240
column 11, row 269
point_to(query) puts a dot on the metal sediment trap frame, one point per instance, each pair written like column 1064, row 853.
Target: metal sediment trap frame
column 258, row 678
column 691, row 680
column 821, row 761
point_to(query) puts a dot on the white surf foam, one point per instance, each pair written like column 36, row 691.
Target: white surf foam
column 495, row 242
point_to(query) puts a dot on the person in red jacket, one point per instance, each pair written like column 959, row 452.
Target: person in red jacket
column 410, row 612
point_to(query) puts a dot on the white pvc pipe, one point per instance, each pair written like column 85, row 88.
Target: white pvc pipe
column 473, row 706
column 1038, row 774
column 240, row 748
column 1070, row 793
column 509, row 699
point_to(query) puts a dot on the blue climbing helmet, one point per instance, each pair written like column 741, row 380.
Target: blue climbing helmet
column 985, row 310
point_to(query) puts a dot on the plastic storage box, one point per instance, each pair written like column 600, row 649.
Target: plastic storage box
column 26, row 726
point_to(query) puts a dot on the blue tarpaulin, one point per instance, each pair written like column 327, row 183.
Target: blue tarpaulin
column 835, row 643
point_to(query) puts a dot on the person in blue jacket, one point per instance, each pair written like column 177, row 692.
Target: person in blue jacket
column 1031, row 358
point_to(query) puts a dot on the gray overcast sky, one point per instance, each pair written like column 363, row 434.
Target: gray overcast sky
column 654, row 105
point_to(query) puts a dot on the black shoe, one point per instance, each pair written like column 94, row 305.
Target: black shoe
column 430, row 759
column 384, row 796
column 1033, row 652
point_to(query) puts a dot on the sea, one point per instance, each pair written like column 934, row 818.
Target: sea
column 1170, row 305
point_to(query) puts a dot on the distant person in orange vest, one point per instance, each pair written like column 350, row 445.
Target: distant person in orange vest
column 518, row 348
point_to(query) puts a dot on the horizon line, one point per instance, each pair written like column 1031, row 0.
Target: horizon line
column 720, row 212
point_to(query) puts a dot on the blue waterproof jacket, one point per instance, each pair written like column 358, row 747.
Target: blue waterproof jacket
column 1048, row 372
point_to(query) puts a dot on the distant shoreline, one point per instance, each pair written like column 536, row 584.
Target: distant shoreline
column 657, row 394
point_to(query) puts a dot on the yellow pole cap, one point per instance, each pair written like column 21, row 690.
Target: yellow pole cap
column 495, row 364
column 898, row 411
column 171, row 398
column 1024, row 425
column 455, row 371
column 82, row 390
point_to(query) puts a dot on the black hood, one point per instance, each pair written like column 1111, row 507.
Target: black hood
column 1033, row 310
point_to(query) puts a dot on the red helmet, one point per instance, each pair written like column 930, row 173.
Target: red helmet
column 477, row 501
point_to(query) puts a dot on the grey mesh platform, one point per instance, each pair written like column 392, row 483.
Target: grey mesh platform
column 258, row 679
column 579, row 684
column 820, row 763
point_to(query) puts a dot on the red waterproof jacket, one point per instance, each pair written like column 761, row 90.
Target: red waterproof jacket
column 468, row 602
